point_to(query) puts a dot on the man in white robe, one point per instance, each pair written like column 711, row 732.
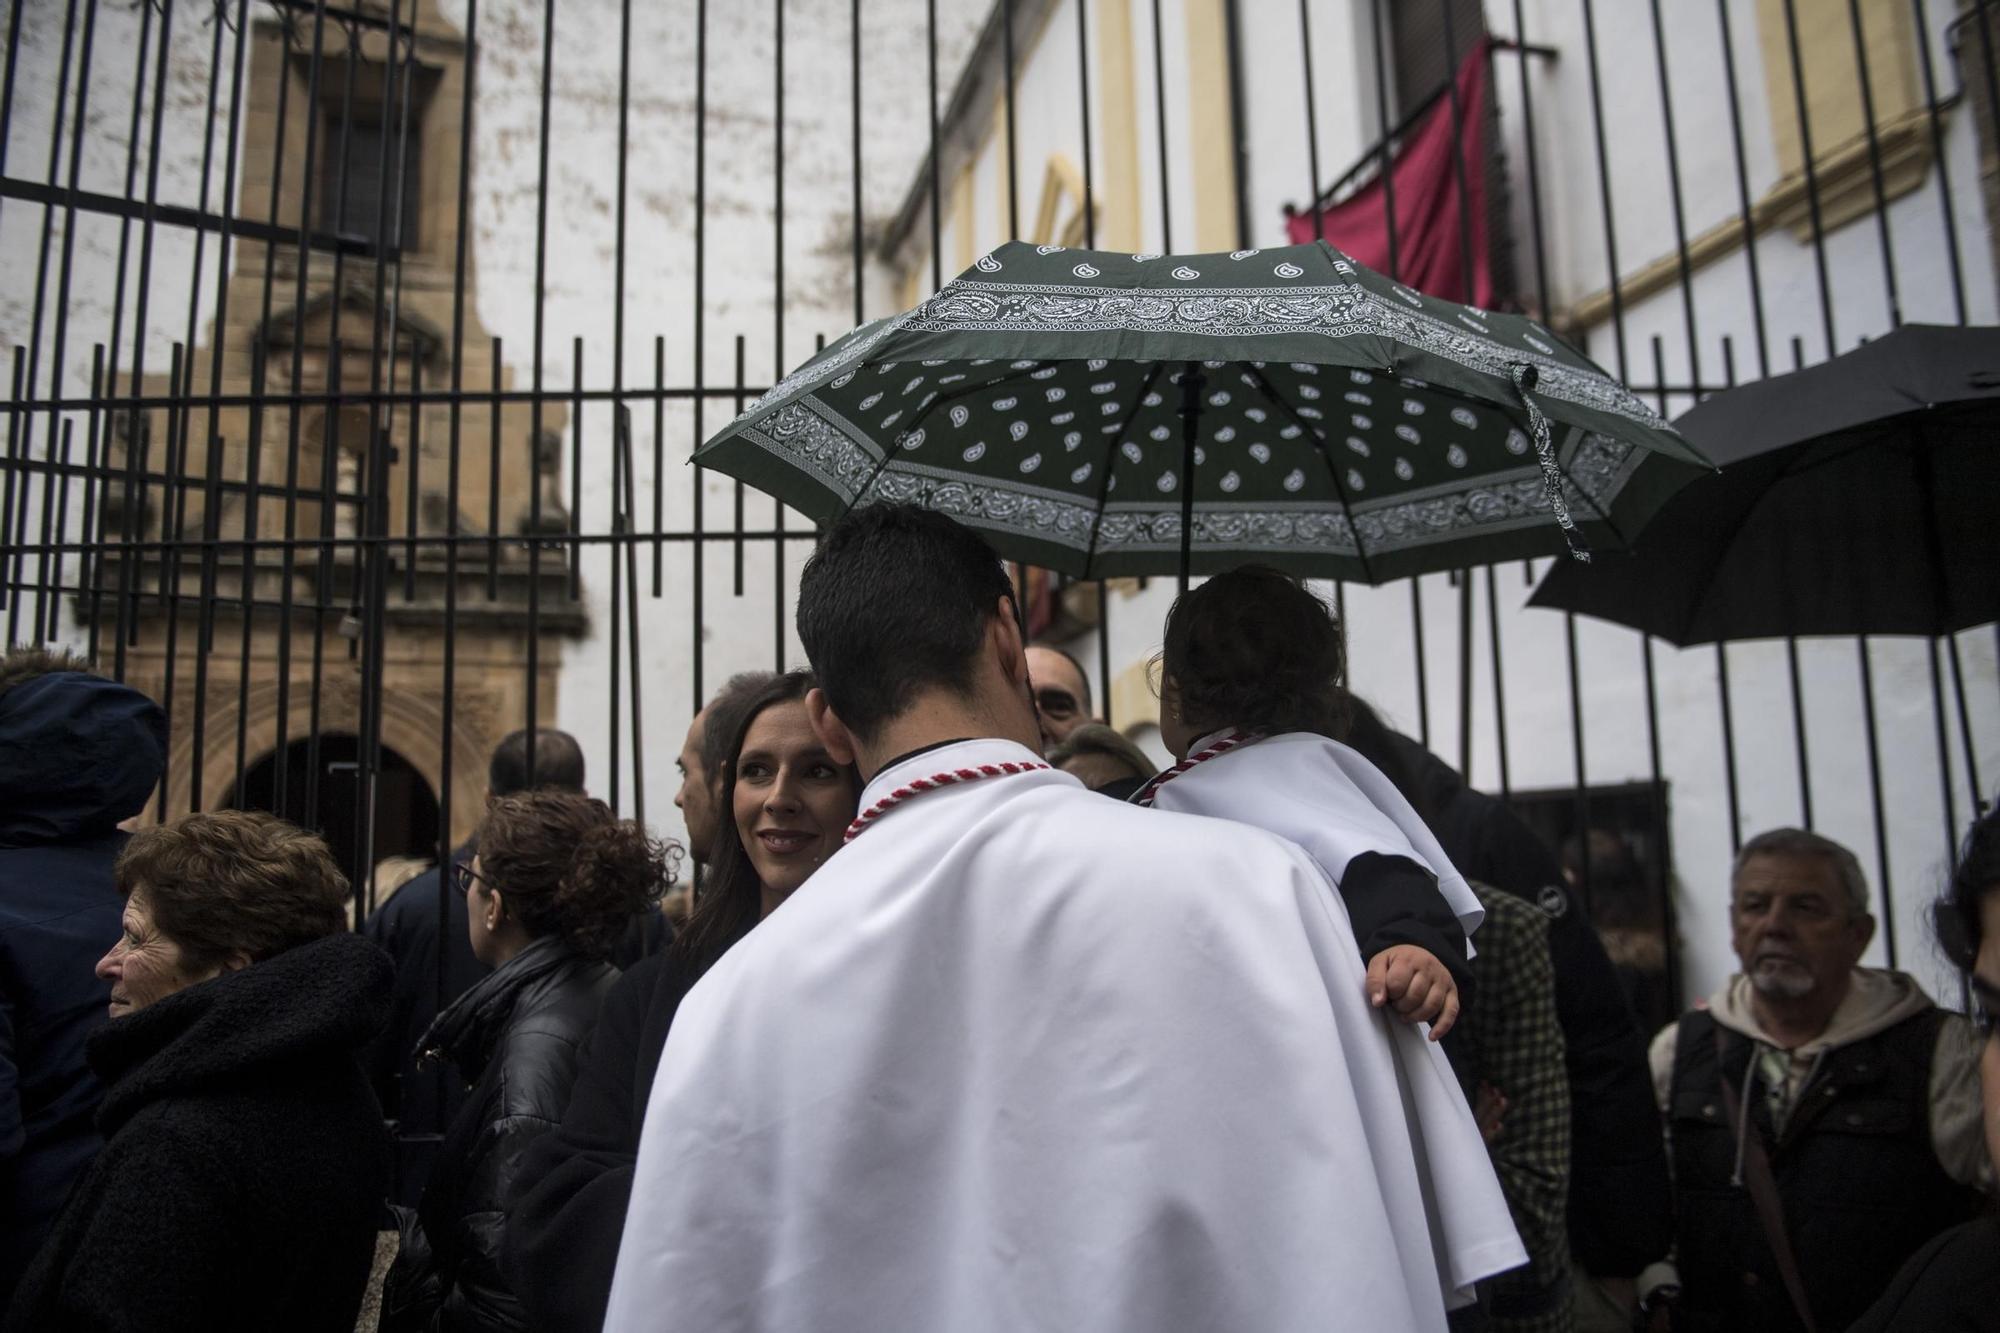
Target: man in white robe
column 1018, row 1057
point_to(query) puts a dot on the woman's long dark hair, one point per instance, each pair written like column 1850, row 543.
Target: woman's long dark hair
column 730, row 901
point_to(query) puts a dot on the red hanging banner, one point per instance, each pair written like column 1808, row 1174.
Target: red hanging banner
column 1429, row 255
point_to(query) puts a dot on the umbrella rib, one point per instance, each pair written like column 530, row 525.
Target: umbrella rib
column 1111, row 461
column 1264, row 386
column 923, row 415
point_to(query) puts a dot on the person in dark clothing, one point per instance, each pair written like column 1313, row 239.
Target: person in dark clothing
column 1620, row 1198
column 1630, row 920
column 241, row 1180
column 1952, row 1284
column 423, row 926
column 556, row 882
column 562, row 1245
column 78, row 754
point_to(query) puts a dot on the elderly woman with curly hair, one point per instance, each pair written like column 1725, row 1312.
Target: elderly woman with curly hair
column 557, row 880
column 241, row 1180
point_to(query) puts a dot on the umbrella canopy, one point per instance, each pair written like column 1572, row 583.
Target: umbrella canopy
column 1080, row 406
column 1856, row 497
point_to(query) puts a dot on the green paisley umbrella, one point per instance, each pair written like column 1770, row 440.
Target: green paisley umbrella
column 1105, row 414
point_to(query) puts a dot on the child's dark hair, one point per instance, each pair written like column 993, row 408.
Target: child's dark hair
column 567, row 866
column 1252, row 648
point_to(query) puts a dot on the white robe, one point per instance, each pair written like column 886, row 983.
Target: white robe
column 1336, row 805
column 1024, row 1058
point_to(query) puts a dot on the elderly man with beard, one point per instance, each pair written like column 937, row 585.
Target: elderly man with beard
column 1824, row 1116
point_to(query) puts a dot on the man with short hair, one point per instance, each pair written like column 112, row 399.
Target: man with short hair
column 705, row 753
column 423, row 1102
column 1062, row 692
column 1824, row 1116
column 78, row 755
column 1009, row 1060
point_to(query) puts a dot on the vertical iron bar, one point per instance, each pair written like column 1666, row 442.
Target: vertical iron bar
column 1938, row 163
column 695, row 647
column 1534, row 171
column 1979, row 801
column 330, row 428
column 1743, row 198
column 117, row 330
column 778, row 323
column 1604, row 202
column 1160, row 136
column 854, row 91
column 1013, row 157
column 1312, row 124
column 618, row 530
column 1680, row 225
column 736, row 542
column 576, row 469
column 1943, row 734
column 1875, row 160
column 1582, row 815
column 1458, row 153
column 535, row 404
column 1083, row 85
column 1499, row 688
column 1465, row 673
column 632, row 633
column 937, row 221
column 1875, row 801
column 1799, row 106
column 1377, row 35
column 1417, row 641
column 497, row 373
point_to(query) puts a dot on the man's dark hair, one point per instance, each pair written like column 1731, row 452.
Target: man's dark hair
column 1081, row 675
column 894, row 601
column 1252, row 648
column 558, row 763
column 725, row 718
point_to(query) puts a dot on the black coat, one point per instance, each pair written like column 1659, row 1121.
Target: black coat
column 1951, row 1285
column 1620, row 1197
column 563, row 1235
column 77, row 754
column 422, row 1103
column 244, row 1164
column 516, row 1036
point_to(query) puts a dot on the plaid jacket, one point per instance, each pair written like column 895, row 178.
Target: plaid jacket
column 1509, row 1039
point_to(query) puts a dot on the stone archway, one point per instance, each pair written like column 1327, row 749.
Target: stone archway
column 412, row 725
column 406, row 814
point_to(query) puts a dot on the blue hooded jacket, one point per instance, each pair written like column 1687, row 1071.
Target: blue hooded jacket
column 77, row 755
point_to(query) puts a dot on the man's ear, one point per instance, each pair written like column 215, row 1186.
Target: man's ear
column 826, row 725
column 1864, row 933
column 487, row 799
column 1009, row 650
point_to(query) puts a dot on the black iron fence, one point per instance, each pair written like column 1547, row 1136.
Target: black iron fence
column 344, row 546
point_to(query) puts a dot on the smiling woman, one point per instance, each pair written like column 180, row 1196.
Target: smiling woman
column 790, row 804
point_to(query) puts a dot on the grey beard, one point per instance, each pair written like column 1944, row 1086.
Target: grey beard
column 1782, row 983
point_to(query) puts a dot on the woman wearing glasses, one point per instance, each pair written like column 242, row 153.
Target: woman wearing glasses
column 1953, row 1283
column 786, row 806
column 556, row 882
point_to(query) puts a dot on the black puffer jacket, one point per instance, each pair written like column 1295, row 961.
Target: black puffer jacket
column 515, row 1036
column 244, row 1165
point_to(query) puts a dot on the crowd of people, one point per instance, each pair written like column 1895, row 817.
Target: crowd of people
column 972, row 1021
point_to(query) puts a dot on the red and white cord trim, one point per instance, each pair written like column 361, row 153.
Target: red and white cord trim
column 1145, row 794
column 918, row 786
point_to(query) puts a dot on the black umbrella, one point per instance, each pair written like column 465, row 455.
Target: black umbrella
column 1855, row 497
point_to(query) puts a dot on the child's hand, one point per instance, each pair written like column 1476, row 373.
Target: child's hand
column 1410, row 979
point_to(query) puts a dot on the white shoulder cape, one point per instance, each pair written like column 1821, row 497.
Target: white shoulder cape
column 1336, row 805
column 1022, row 1058
column 1324, row 796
